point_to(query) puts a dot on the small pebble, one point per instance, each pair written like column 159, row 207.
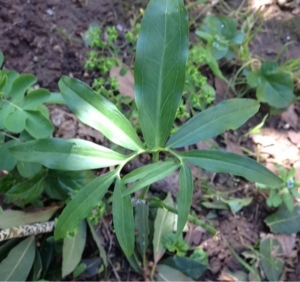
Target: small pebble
column 49, row 12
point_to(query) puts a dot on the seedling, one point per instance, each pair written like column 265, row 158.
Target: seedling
column 159, row 74
column 284, row 195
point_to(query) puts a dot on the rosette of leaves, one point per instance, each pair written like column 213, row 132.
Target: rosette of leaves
column 221, row 35
column 23, row 117
column 273, row 86
column 159, row 73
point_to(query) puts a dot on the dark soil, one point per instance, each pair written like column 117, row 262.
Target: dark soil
column 44, row 38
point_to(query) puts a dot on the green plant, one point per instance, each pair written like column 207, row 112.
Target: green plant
column 284, row 195
column 159, row 73
column 273, row 86
column 23, row 117
column 221, row 35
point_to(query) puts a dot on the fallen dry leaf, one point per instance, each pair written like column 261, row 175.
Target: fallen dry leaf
column 126, row 82
column 287, row 242
column 294, row 137
column 290, row 117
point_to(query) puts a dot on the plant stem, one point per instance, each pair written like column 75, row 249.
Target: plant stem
column 241, row 261
column 155, row 158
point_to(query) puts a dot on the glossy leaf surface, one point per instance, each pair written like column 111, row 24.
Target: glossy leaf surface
column 82, row 203
column 159, row 69
column 229, row 114
column 72, row 250
column 218, row 161
column 99, row 113
column 67, row 154
column 123, row 219
column 184, row 197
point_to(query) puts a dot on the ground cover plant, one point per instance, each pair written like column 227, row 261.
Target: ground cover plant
column 144, row 221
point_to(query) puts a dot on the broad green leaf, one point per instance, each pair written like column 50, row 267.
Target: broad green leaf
column 35, row 98
column 159, row 70
column 167, row 273
column 13, row 218
column 184, row 197
column 1, row 59
column 11, row 77
column 163, row 224
column 97, row 112
column 218, row 161
column 16, row 266
column 283, row 221
column 82, row 203
column 27, row 191
column 98, row 242
column 271, row 258
column 123, row 219
column 152, row 177
column 8, row 162
column 141, row 172
column 142, row 227
column 5, row 110
column 28, row 169
column 272, row 86
column 229, row 114
column 20, row 86
column 188, row 266
column 67, row 154
column 60, row 185
column 15, row 121
column 37, row 125
column 73, row 249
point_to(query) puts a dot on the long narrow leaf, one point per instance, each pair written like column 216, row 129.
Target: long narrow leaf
column 16, row 266
column 152, row 177
column 72, row 250
column 217, row 161
column 184, row 198
column 159, row 70
column 97, row 112
column 70, row 154
column 82, row 203
column 229, row 114
column 123, row 219
column 141, row 172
